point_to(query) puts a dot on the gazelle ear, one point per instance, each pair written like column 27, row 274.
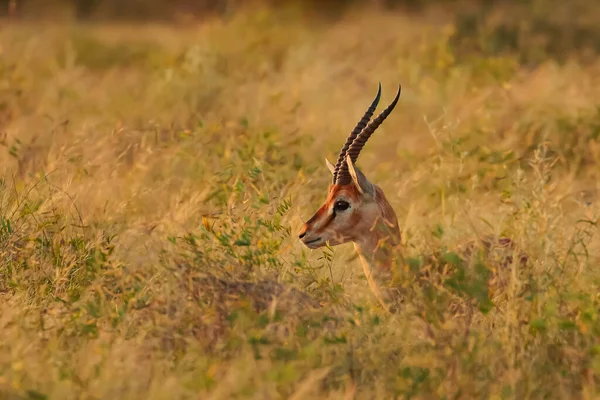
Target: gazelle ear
column 360, row 180
column 330, row 166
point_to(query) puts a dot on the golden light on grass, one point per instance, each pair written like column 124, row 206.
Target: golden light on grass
column 154, row 179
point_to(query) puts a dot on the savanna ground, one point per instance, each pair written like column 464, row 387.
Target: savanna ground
column 143, row 163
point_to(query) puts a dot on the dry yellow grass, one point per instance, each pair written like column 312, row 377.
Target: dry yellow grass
column 137, row 159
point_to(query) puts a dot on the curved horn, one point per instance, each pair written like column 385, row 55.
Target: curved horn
column 357, row 129
column 358, row 143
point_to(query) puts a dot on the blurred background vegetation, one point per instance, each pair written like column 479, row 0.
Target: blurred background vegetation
column 166, row 9
column 542, row 27
column 146, row 145
column 173, row 9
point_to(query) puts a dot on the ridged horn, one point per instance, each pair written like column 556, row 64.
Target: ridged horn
column 357, row 129
column 343, row 176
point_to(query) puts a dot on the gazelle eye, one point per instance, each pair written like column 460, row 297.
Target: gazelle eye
column 341, row 205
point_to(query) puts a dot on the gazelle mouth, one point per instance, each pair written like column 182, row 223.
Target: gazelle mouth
column 312, row 241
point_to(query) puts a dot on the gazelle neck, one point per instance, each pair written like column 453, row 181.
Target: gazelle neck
column 380, row 245
column 380, row 248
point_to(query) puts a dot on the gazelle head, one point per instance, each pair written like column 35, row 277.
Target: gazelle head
column 355, row 209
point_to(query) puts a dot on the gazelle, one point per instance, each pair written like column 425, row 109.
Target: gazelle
column 357, row 210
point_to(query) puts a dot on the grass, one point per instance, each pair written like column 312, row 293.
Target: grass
column 154, row 179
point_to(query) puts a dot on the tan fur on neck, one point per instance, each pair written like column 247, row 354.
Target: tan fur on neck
column 373, row 228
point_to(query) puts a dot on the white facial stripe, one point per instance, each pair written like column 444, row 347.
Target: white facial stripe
column 317, row 224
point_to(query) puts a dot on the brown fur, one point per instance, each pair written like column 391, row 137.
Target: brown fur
column 322, row 217
column 371, row 224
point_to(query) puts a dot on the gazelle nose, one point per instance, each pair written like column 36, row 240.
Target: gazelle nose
column 301, row 235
